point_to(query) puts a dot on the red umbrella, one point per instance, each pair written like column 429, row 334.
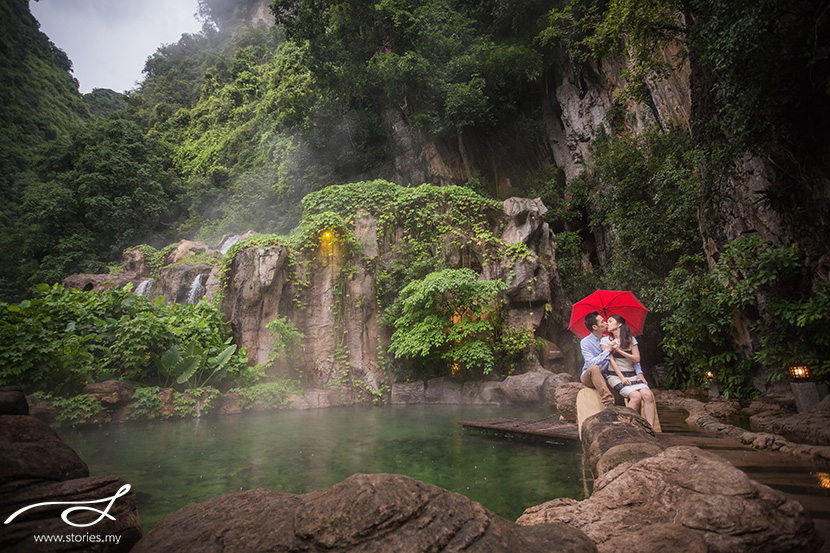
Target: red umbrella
column 609, row 302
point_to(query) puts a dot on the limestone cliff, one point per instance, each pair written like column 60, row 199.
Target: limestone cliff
column 331, row 297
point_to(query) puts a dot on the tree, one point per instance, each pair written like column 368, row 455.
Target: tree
column 448, row 319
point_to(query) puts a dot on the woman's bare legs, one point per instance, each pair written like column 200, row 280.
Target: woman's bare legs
column 649, row 405
column 634, row 399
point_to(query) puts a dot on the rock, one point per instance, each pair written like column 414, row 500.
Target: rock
column 42, row 409
column 611, row 428
column 334, row 396
column 808, row 428
column 525, row 218
column 185, row 248
column 229, row 403
column 408, row 392
column 168, row 408
column 13, row 401
column 482, row 393
column 565, row 397
column 442, row 390
column 135, row 265
column 18, row 535
column 93, row 283
column 723, row 409
column 369, row 513
column 699, row 494
column 36, row 466
column 175, row 283
column 33, row 451
column 524, row 388
column 110, row 392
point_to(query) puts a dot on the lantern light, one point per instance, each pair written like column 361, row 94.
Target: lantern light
column 799, row 372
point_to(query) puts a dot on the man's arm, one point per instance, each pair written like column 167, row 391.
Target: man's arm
column 593, row 353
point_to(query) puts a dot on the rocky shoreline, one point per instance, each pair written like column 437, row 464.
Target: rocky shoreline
column 646, row 497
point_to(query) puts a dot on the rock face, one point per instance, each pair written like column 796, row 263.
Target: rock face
column 339, row 315
column 13, row 401
column 36, row 466
column 649, row 499
column 380, row 512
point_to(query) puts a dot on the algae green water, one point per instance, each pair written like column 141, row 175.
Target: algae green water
column 172, row 464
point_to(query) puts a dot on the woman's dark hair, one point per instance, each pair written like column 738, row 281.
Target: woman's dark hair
column 625, row 332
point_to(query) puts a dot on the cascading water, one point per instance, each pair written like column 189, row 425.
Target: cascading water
column 228, row 242
column 197, row 289
column 143, row 289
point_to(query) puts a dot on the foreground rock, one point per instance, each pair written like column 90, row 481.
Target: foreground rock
column 380, row 512
column 691, row 500
column 679, row 499
column 36, row 466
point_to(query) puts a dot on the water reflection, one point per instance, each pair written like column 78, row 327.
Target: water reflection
column 172, row 464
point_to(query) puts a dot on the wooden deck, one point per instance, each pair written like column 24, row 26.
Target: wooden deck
column 548, row 429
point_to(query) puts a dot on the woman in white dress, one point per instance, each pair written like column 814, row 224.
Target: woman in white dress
column 625, row 353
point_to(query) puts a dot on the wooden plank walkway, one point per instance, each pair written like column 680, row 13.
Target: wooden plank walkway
column 546, row 429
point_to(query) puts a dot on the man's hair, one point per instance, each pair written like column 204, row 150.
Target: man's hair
column 591, row 320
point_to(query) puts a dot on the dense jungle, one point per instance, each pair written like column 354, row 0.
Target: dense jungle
column 681, row 149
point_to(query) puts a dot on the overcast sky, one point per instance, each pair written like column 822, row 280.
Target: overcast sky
column 108, row 41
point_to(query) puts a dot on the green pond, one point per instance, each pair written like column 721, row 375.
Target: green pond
column 175, row 463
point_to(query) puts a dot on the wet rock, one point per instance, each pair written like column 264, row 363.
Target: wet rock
column 703, row 496
column 175, row 283
column 42, row 409
column 442, row 390
column 565, row 397
column 369, row 513
column 36, row 466
column 110, row 392
column 482, row 393
column 19, row 534
column 13, row 401
column 33, row 451
column 407, row 392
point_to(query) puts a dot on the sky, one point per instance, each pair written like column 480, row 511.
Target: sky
column 109, row 41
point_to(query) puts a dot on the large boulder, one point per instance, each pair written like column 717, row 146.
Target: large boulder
column 702, row 497
column 525, row 388
column 13, row 401
column 37, row 467
column 33, row 451
column 368, row 513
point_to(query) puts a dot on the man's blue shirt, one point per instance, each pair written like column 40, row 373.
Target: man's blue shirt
column 594, row 355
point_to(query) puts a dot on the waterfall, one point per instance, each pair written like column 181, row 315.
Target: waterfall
column 197, row 289
column 143, row 289
column 228, row 242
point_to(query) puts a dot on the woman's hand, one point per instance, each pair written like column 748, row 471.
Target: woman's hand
column 626, row 382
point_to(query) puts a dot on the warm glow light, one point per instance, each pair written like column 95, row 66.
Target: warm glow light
column 710, row 375
column 799, row 372
column 823, row 479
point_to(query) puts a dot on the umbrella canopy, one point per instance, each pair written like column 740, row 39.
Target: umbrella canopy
column 609, row 302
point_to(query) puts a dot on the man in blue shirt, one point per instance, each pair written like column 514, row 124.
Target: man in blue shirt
column 596, row 358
